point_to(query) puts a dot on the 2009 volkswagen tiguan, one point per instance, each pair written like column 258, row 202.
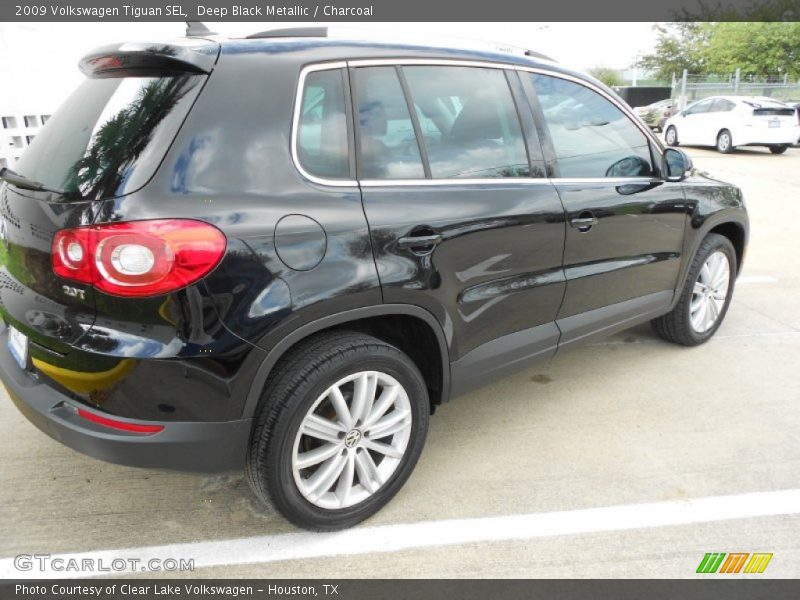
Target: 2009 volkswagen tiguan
column 281, row 253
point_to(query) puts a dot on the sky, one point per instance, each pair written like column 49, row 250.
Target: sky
column 38, row 61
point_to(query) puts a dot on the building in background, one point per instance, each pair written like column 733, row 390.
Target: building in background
column 19, row 130
column 27, row 95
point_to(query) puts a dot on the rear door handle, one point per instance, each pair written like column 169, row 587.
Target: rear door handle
column 584, row 221
column 419, row 241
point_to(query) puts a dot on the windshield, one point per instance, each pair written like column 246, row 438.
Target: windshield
column 110, row 135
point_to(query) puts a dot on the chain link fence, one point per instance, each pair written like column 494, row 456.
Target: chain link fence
column 689, row 88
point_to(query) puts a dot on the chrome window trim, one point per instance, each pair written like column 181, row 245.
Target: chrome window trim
column 452, row 181
column 607, row 180
column 626, row 110
column 298, row 102
column 325, row 66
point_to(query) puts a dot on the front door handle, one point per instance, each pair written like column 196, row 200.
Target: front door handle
column 584, row 221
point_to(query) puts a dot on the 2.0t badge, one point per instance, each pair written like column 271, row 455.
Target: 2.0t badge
column 74, row 292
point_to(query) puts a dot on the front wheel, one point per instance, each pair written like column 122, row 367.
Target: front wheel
column 725, row 142
column 779, row 148
column 671, row 136
column 705, row 297
column 339, row 430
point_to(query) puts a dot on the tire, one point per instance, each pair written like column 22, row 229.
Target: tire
column 725, row 142
column 779, row 148
column 678, row 326
column 671, row 136
column 300, row 387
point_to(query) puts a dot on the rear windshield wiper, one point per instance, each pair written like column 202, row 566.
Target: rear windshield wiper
column 23, row 182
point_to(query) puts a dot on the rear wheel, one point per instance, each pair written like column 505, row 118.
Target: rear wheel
column 779, row 148
column 725, row 142
column 705, row 296
column 671, row 136
column 339, row 430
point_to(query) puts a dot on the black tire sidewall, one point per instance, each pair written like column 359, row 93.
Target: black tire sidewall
column 711, row 244
column 279, row 477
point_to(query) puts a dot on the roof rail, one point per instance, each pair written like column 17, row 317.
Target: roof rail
column 197, row 29
column 534, row 54
column 291, row 32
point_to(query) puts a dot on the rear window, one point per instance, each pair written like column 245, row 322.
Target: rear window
column 774, row 112
column 110, row 135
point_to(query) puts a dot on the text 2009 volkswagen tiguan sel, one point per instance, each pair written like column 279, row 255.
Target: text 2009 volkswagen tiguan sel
column 282, row 253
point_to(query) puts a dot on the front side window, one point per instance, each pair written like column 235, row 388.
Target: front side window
column 591, row 136
column 723, row 105
column 699, row 107
column 468, row 122
column 388, row 147
column 322, row 145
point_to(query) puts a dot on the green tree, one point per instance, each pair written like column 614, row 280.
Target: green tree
column 758, row 49
column 607, row 75
column 679, row 46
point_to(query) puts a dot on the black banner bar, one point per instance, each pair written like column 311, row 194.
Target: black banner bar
column 400, row 10
column 410, row 589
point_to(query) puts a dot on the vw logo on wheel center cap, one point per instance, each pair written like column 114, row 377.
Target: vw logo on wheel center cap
column 352, row 438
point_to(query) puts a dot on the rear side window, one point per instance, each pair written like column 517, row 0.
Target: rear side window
column 111, row 134
column 388, row 147
column 322, row 140
column 591, row 136
column 468, row 122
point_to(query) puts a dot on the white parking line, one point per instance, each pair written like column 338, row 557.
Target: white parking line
column 429, row 534
column 745, row 279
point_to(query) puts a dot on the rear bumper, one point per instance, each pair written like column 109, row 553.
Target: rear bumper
column 183, row 446
column 751, row 136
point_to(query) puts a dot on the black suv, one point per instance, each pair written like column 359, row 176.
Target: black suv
column 282, row 253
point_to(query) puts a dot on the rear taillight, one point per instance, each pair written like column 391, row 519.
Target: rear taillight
column 138, row 258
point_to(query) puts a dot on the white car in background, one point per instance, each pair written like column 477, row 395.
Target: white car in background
column 730, row 121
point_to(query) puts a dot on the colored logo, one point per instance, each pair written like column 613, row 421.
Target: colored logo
column 734, row 562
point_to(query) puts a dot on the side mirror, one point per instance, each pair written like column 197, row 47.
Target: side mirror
column 678, row 164
column 683, row 113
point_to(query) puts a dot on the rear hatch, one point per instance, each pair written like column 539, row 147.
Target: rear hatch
column 106, row 141
column 773, row 115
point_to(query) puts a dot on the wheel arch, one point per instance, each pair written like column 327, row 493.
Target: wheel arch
column 730, row 224
column 411, row 328
column 734, row 231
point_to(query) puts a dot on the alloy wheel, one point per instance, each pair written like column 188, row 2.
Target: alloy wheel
column 352, row 439
column 724, row 142
column 710, row 292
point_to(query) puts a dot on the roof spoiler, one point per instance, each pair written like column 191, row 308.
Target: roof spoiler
column 191, row 56
column 291, row 32
column 197, row 29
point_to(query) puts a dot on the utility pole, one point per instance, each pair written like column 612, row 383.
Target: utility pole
column 683, row 89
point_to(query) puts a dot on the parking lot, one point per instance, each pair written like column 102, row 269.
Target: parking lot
column 631, row 424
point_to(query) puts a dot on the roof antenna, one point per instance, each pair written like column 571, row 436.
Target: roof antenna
column 197, row 29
